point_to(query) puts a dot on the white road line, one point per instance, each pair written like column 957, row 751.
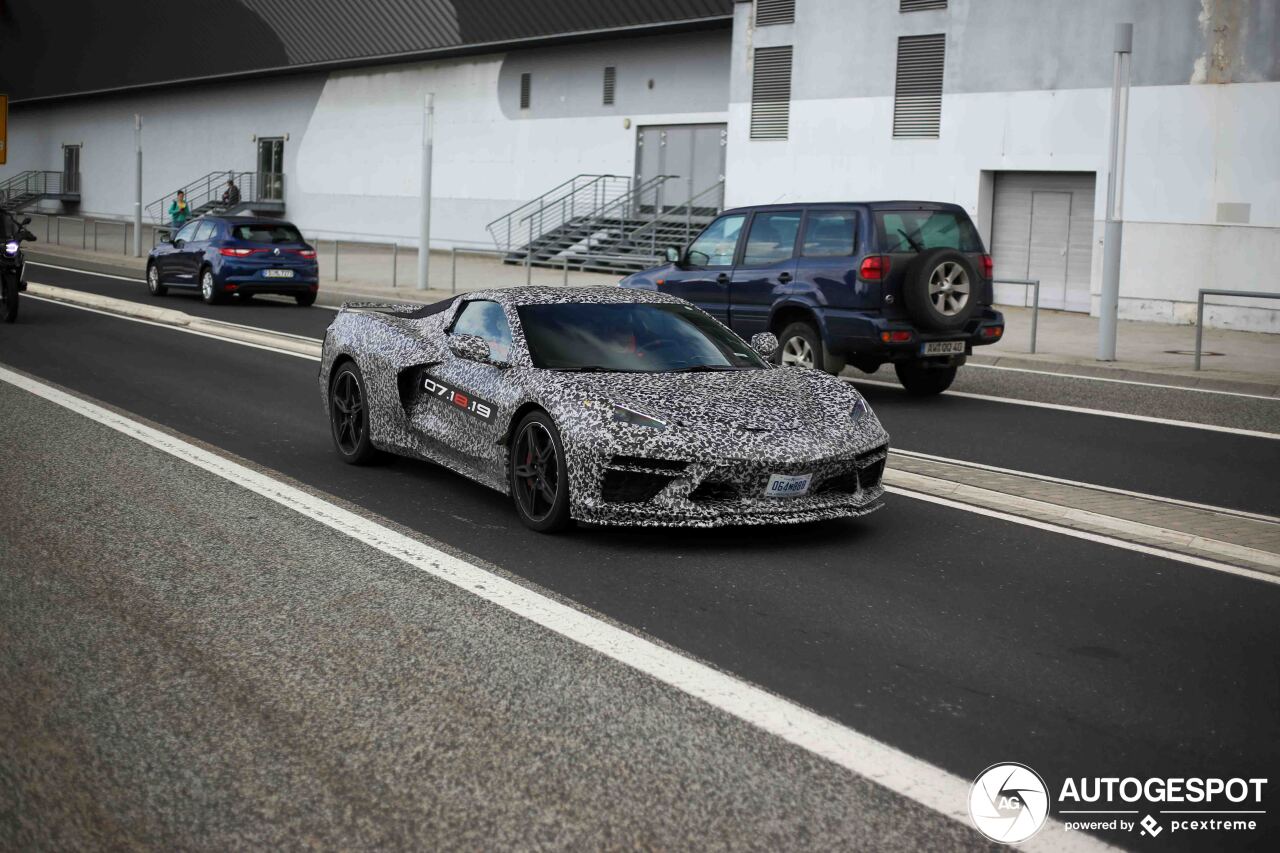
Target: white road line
column 889, row 767
column 173, row 328
column 1079, row 410
column 1122, row 381
column 85, row 272
column 988, row 512
column 1254, row 516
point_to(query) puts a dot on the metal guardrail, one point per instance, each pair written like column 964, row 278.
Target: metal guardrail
column 1206, row 291
column 1034, row 284
column 208, row 189
column 579, row 196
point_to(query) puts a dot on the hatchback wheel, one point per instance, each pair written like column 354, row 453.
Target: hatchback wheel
column 209, row 288
column 153, row 281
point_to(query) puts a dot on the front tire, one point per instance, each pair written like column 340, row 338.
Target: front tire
column 538, row 475
column 921, row 381
column 209, row 290
column 153, row 281
column 9, row 298
column 800, row 345
column 349, row 416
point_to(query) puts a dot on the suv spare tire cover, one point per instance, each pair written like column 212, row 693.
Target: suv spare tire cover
column 919, row 298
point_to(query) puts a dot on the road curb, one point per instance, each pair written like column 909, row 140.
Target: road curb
column 178, row 319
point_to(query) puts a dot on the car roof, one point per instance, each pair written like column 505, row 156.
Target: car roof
column 901, row 204
column 247, row 220
column 542, row 295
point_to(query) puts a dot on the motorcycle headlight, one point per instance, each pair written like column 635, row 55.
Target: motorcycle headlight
column 860, row 410
column 11, row 248
column 622, row 414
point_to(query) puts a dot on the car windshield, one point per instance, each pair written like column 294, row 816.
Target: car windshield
column 266, row 232
column 631, row 337
column 921, row 230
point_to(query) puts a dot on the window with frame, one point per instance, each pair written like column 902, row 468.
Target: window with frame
column 486, row 319
column 715, row 246
column 526, row 89
column 610, row 84
column 186, row 233
column 772, row 238
column 829, row 234
column 204, row 232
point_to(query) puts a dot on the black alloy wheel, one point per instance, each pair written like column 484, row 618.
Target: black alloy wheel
column 349, row 416
column 539, row 476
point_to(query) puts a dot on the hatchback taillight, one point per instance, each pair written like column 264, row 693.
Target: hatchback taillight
column 238, row 253
column 987, row 266
column 307, row 253
column 874, row 267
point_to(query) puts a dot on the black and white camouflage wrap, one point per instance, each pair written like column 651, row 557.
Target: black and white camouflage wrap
column 727, row 432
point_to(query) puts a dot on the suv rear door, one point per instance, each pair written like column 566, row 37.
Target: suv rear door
column 903, row 234
column 766, row 270
column 703, row 277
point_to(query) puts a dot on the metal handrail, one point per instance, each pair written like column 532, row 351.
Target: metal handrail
column 208, row 189
column 1034, row 284
column 580, row 197
column 1208, row 291
column 685, row 206
column 32, row 183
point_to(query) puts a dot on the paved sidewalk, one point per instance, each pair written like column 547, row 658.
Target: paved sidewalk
column 1247, row 362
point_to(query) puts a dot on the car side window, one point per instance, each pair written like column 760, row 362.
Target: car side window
column 829, row 234
column 772, row 238
column 186, row 233
column 716, row 245
column 203, row 232
column 486, row 319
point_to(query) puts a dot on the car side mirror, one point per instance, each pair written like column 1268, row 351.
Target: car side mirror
column 27, row 235
column 164, row 236
column 470, row 347
column 673, row 255
column 26, row 220
column 177, row 244
column 765, row 343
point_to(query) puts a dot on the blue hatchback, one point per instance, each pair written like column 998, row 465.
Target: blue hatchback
column 225, row 255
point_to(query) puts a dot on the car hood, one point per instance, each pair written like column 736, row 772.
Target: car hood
column 755, row 401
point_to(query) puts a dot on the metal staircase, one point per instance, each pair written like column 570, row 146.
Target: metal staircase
column 27, row 188
column 623, row 234
column 204, row 195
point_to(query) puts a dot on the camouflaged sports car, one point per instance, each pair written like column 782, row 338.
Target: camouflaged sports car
column 602, row 405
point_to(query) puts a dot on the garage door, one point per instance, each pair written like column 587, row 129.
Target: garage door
column 1042, row 227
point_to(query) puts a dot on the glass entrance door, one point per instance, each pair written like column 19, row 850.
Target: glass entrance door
column 271, row 169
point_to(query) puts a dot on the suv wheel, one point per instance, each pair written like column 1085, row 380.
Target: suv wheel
column 940, row 290
column 923, row 381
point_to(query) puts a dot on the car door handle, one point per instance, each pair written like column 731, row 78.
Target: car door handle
column 783, row 278
column 723, row 278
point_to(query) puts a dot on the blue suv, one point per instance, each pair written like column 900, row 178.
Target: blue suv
column 235, row 255
column 861, row 283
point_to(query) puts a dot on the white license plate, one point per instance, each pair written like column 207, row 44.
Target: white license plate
column 944, row 348
column 277, row 273
column 787, row 485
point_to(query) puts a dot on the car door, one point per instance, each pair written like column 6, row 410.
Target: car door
column 827, row 261
column 707, row 267
column 170, row 262
column 193, row 252
column 465, row 422
column 766, row 271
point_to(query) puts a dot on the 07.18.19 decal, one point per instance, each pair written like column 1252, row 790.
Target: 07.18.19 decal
column 461, row 399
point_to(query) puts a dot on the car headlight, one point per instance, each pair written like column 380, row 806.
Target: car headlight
column 860, row 410
column 11, row 248
column 623, row 415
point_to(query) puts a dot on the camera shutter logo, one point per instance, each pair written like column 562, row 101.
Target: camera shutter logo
column 1009, row 802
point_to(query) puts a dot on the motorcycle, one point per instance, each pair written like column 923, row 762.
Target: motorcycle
column 12, row 264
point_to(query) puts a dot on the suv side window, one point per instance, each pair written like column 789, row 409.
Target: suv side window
column 486, row 319
column 772, row 238
column 203, row 232
column 829, row 234
column 716, row 245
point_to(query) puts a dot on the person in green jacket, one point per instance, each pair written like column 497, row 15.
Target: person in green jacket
column 179, row 213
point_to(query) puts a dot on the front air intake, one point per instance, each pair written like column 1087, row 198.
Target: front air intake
column 629, row 487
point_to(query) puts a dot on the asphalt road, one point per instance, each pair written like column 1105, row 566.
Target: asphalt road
column 1217, row 468
column 955, row 637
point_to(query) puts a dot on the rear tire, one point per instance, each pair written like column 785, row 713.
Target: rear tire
column 153, row 281
column 305, row 299
column 921, row 381
column 9, row 296
column 209, row 290
column 349, row 416
column 538, row 474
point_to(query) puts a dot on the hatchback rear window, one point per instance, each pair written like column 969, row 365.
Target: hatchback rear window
column 920, row 230
column 266, row 232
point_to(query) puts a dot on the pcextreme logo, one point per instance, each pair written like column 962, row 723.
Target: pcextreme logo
column 1009, row 802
